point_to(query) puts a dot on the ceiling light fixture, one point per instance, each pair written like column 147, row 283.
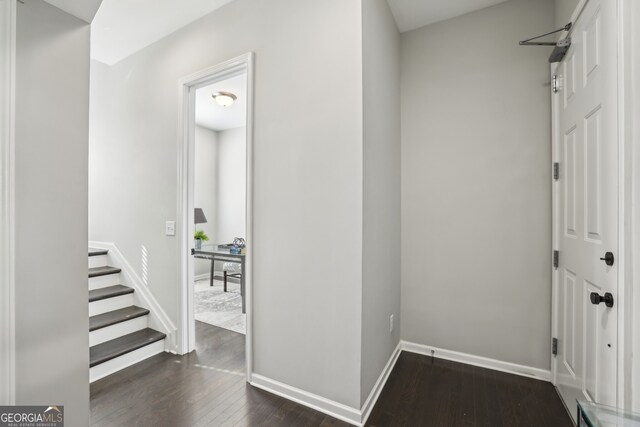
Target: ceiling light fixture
column 224, row 99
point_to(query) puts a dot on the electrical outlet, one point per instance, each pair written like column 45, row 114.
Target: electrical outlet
column 391, row 323
column 170, row 228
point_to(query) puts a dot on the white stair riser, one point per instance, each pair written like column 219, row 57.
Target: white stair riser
column 104, row 281
column 97, row 261
column 119, row 329
column 114, row 365
column 110, row 304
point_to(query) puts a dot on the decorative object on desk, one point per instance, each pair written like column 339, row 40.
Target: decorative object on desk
column 199, row 236
column 239, row 246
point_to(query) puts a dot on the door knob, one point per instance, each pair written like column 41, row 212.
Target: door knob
column 607, row 299
column 608, row 258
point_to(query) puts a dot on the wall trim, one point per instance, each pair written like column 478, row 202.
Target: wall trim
column 337, row 410
column 360, row 417
column 216, row 277
column 7, row 200
column 628, row 95
column 482, row 362
column 158, row 318
column 184, row 225
column 313, row 401
column 368, row 405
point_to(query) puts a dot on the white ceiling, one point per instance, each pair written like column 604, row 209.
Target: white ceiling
column 211, row 115
column 83, row 9
column 412, row 14
column 122, row 28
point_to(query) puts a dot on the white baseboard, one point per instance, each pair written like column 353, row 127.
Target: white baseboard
column 158, row 318
column 202, row 277
column 313, row 401
column 360, row 417
column 483, row 362
column 368, row 405
column 357, row 417
column 218, row 274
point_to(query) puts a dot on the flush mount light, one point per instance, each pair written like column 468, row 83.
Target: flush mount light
column 224, row 99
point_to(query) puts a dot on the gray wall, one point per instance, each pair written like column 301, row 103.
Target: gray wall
column 563, row 11
column 476, row 190
column 205, row 187
column 7, row 31
column 308, row 176
column 381, row 238
column 52, row 100
column 231, row 191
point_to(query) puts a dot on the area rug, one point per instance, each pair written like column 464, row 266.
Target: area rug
column 218, row 308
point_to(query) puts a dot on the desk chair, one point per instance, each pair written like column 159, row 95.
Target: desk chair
column 231, row 269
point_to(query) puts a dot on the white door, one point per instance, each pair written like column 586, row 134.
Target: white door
column 586, row 209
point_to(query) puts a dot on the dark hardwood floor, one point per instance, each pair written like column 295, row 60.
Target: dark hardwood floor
column 207, row 388
column 204, row 388
column 422, row 391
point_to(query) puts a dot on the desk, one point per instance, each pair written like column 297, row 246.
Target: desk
column 214, row 254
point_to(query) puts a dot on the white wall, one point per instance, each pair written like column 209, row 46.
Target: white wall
column 308, row 176
column 7, row 283
column 52, row 100
column 381, row 238
column 632, row 73
column 232, row 182
column 205, row 187
column 563, row 11
column 476, row 185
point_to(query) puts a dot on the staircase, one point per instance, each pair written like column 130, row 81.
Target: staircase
column 119, row 335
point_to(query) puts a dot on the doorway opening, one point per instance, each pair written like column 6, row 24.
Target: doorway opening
column 215, row 201
column 220, row 203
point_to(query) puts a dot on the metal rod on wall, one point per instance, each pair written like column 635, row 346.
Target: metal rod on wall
column 528, row 42
column 560, row 47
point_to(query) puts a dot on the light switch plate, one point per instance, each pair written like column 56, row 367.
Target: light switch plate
column 170, row 228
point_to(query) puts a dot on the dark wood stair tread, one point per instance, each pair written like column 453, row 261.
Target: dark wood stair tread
column 116, row 316
column 109, row 292
column 125, row 344
column 96, row 252
column 103, row 271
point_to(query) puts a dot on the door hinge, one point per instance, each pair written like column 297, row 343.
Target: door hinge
column 556, row 259
column 554, row 346
column 554, row 84
column 556, row 171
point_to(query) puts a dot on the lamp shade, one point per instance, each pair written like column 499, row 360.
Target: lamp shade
column 199, row 217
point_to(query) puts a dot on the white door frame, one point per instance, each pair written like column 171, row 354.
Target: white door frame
column 7, row 199
column 628, row 161
column 185, row 226
column 629, row 129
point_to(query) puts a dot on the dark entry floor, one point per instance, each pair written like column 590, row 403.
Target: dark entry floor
column 422, row 391
column 208, row 388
